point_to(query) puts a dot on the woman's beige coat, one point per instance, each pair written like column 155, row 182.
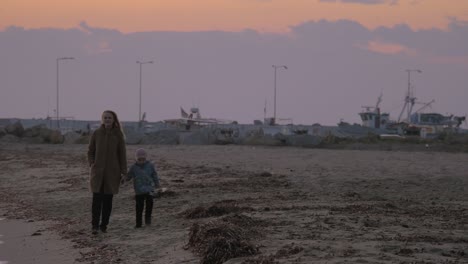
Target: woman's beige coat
column 107, row 158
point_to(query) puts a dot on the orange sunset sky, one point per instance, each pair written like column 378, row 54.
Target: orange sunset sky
column 226, row 15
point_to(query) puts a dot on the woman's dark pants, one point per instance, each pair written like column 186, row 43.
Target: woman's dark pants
column 102, row 204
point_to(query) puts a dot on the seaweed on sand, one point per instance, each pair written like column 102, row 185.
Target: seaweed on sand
column 222, row 239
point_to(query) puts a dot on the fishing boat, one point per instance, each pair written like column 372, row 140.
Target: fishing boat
column 194, row 119
column 410, row 122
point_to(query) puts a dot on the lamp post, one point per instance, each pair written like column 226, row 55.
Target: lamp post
column 139, row 109
column 57, row 110
column 274, row 107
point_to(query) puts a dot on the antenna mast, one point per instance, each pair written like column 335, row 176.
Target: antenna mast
column 409, row 98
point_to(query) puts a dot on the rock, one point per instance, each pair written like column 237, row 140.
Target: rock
column 280, row 137
column 223, row 136
column 162, row 137
column 265, row 139
column 198, row 137
column 83, row 139
column 41, row 134
column 34, row 131
column 46, row 136
column 303, row 140
column 133, row 137
column 32, row 140
column 10, row 139
column 55, row 137
column 71, row 138
column 45, row 133
column 15, row 129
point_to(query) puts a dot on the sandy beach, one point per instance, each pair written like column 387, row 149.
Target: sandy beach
column 32, row 242
column 291, row 205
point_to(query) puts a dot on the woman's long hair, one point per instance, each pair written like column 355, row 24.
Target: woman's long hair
column 116, row 123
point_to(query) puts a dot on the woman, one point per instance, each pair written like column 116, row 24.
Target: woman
column 108, row 161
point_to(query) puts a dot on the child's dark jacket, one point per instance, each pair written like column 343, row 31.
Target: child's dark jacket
column 145, row 178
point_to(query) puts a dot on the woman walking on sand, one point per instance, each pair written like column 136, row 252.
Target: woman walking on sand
column 108, row 162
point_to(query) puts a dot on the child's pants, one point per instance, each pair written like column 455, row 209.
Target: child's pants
column 140, row 200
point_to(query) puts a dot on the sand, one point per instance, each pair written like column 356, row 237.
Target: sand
column 32, row 242
column 314, row 205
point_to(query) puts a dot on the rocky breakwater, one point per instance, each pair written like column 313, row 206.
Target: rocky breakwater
column 15, row 132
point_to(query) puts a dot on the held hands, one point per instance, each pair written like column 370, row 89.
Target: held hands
column 122, row 178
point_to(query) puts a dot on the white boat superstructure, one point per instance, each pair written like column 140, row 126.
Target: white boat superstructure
column 194, row 118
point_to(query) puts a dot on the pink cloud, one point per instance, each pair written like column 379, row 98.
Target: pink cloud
column 101, row 46
column 388, row 48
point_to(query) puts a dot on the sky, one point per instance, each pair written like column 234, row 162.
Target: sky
column 218, row 55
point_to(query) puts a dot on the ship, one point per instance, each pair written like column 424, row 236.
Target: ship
column 419, row 123
column 194, row 119
column 411, row 122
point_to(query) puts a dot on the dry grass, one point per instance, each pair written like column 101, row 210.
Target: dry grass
column 217, row 209
column 223, row 239
column 261, row 260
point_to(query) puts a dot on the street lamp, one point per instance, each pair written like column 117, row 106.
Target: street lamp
column 141, row 64
column 57, row 110
column 274, row 107
column 409, row 99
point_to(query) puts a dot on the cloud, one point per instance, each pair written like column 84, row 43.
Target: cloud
column 85, row 28
column 99, row 40
column 337, row 34
column 389, row 48
column 364, row 2
column 334, row 67
column 83, row 25
column 436, row 42
column 98, row 46
column 397, row 40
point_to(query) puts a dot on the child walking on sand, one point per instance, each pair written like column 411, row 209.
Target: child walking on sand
column 145, row 180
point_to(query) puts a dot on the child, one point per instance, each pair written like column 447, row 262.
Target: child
column 145, row 179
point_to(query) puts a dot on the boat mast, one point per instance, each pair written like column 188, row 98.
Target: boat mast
column 409, row 98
